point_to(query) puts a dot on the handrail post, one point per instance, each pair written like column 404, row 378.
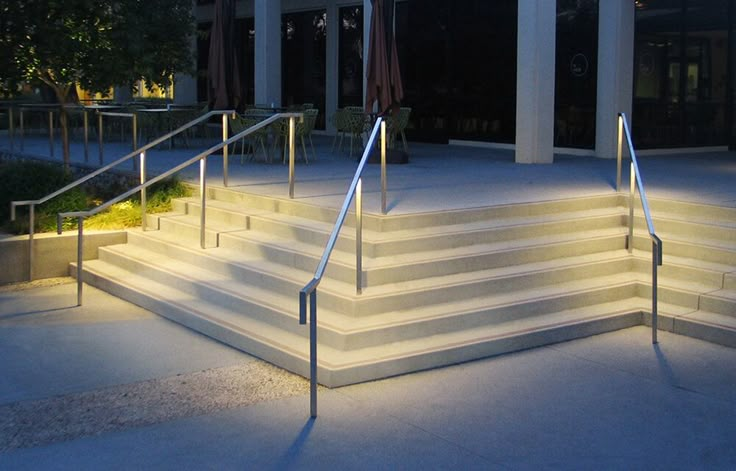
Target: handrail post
column 313, row 353
column 359, row 237
column 655, row 263
column 31, row 230
column 203, row 199
column 80, row 256
column 143, row 191
column 383, row 167
column 632, row 189
column 11, row 128
column 51, row 133
column 22, row 131
column 291, row 157
column 86, row 136
column 619, row 153
column 99, row 135
column 225, row 155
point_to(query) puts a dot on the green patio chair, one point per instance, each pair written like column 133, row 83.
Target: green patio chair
column 254, row 140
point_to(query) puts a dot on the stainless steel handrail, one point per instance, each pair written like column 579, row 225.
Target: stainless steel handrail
column 201, row 158
column 100, row 170
column 100, row 128
column 635, row 182
column 310, row 289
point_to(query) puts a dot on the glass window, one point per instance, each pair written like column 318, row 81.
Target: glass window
column 681, row 77
column 303, row 55
column 458, row 64
column 350, row 62
column 576, row 76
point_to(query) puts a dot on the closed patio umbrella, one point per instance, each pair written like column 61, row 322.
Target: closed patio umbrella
column 384, row 75
column 224, row 90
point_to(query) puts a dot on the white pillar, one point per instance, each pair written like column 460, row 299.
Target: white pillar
column 333, row 32
column 615, row 71
column 268, row 52
column 535, row 81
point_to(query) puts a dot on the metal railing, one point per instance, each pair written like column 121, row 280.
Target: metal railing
column 635, row 182
column 23, row 109
column 100, row 132
column 310, row 290
column 141, row 153
column 202, row 159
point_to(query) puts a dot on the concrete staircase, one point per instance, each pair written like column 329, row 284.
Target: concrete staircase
column 440, row 288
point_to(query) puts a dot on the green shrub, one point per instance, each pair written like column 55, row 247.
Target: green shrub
column 34, row 180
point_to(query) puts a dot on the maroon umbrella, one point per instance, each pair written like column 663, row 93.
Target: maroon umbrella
column 223, row 75
column 384, row 75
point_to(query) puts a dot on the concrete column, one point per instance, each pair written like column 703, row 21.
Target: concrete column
column 535, row 81
column 367, row 11
column 333, row 32
column 268, row 52
column 615, row 72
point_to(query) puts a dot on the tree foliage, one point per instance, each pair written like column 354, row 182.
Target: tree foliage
column 97, row 44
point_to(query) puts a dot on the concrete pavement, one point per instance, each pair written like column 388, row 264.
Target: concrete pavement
column 611, row 401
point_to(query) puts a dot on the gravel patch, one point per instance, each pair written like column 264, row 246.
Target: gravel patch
column 42, row 283
column 34, row 423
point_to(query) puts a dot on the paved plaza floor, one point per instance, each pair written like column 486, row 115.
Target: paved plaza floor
column 112, row 386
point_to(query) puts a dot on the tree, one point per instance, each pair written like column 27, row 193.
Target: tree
column 96, row 44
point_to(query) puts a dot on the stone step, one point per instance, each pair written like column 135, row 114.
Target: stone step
column 339, row 367
column 702, row 324
column 389, row 243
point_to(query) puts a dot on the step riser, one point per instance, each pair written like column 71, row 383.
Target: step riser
column 699, row 212
column 501, row 234
column 717, row 334
column 487, row 287
column 688, row 229
column 187, row 233
column 687, row 250
column 481, row 349
column 718, row 305
column 485, row 317
column 214, row 214
column 680, row 272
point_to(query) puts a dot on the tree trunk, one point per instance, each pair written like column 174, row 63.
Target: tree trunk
column 62, row 93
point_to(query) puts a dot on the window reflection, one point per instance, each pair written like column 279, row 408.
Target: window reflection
column 303, row 70
column 681, row 73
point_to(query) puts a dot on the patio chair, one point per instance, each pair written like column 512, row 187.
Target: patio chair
column 301, row 130
column 396, row 126
column 340, row 121
column 241, row 123
column 355, row 120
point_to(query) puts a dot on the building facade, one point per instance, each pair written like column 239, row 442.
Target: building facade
column 534, row 75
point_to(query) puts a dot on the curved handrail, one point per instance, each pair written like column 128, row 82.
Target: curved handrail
column 637, row 183
column 310, row 289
